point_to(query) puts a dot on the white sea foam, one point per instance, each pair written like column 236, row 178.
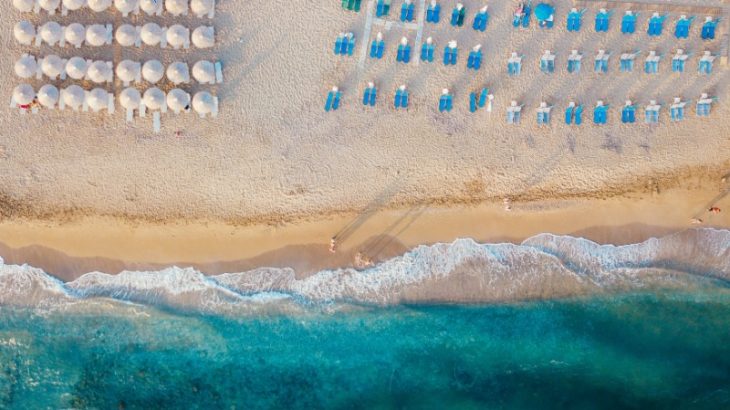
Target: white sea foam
column 543, row 266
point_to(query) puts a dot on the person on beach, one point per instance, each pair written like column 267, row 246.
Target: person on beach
column 715, row 210
column 333, row 245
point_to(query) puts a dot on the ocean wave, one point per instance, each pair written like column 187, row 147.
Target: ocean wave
column 544, row 266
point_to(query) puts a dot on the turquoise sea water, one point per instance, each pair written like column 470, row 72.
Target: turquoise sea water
column 649, row 350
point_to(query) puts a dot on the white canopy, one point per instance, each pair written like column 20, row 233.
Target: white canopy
column 99, row 72
column 51, row 32
column 204, row 37
column 154, row 98
column 26, row 66
column 202, row 7
column 52, row 65
column 76, row 68
column 149, row 6
column 96, row 35
column 152, row 71
column 178, row 99
column 49, row 5
column 151, row 34
column 176, row 7
column 75, row 34
column 126, row 35
column 204, row 72
column 99, row 5
column 24, row 32
column 177, row 35
column 178, row 73
column 126, row 6
column 130, row 98
column 98, row 99
column 24, row 5
column 48, row 95
column 23, row 94
column 73, row 96
column 74, row 4
column 203, row 102
column 128, row 70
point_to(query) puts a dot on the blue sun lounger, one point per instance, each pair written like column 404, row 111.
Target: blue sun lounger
column 404, row 51
column 547, row 62
column 474, row 62
column 676, row 110
column 681, row 29
column 479, row 100
column 446, row 101
column 433, row 12
column 514, row 64
column 656, row 24
column 401, row 97
column 574, row 19
column 574, row 60
column 628, row 22
column 651, row 112
column 514, row 112
column 600, row 113
column 333, row 100
column 526, row 13
column 628, row 113
column 352, row 5
column 472, row 101
column 705, row 64
column 603, row 19
column 407, row 10
column 574, row 114
column 458, row 15
column 340, row 44
column 708, row 28
column 370, row 95
column 382, row 8
column 651, row 64
column 450, row 53
column 377, row 47
column 600, row 64
column 481, row 19
column 678, row 61
column 626, row 62
column 704, row 104
column 427, row 50
column 543, row 114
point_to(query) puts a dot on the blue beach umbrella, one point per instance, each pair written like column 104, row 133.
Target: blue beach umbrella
column 543, row 11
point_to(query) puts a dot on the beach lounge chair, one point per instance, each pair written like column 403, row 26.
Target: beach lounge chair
column 513, row 113
column 446, row 101
column 433, row 12
column 543, row 114
column 473, row 101
column 427, row 50
column 676, row 110
column 603, row 19
column 481, row 19
column 678, row 61
column 451, row 53
column 407, row 11
column 352, row 5
column 382, row 8
column 708, row 28
column 340, row 44
column 377, row 47
column 547, row 62
column 651, row 64
column 656, row 24
column 628, row 22
column 626, row 62
column 484, row 97
column 600, row 113
column 703, row 105
column 545, row 15
column 514, row 64
column 628, row 113
column 404, row 51
column 474, row 61
column 350, row 43
column 651, row 112
column 370, row 95
column 601, row 62
column 518, row 15
column 401, row 98
column 333, row 100
column 705, row 64
column 526, row 14
column 681, row 29
column 574, row 19
column 457, row 15
column 574, row 114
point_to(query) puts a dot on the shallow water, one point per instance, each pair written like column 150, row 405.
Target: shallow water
column 664, row 349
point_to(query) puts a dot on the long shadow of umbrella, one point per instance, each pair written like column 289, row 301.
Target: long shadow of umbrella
column 386, row 238
column 385, row 196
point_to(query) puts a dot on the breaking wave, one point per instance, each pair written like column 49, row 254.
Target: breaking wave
column 544, row 266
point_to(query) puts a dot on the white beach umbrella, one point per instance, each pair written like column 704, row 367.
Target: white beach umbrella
column 152, row 71
column 178, row 99
column 99, row 72
column 73, row 96
column 176, row 7
column 201, row 8
column 74, row 4
column 130, row 98
column 52, row 66
column 98, row 99
column 128, row 71
column 126, row 35
column 126, row 6
column 76, row 68
column 178, row 73
column 149, row 6
column 49, row 5
column 48, row 95
column 177, row 35
column 25, row 6
column 75, row 34
column 26, row 66
column 204, row 37
column 51, row 32
column 204, row 72
column 96, row 35
column 203, row 102
column 151, row 34
column 23, row 94
column 99, row 5
column 154, row 98
column 24, row 32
